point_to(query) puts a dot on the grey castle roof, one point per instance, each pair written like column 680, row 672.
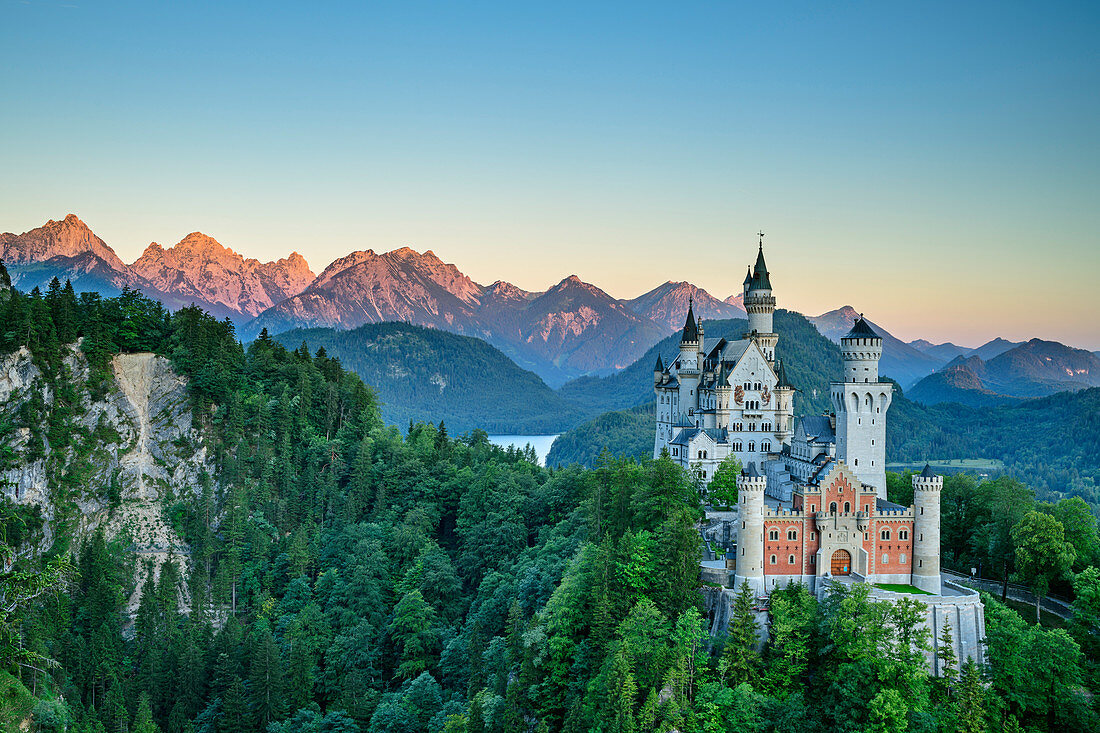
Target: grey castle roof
column 691, row 329
column 862, row 330
column 783, row 382
column 927, row 472
column 888, row 506
column 750, row 471
column 748, row 276
column 760, row 280
column 685, row 436
column 660, row 367
column 818, row 427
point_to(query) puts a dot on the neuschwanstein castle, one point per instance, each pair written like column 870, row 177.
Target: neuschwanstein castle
column 812, row 503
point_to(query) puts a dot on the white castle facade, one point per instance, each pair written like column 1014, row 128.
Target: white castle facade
column 717, row 397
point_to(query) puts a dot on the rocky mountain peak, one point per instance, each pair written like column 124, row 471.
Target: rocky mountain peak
column 67, row 238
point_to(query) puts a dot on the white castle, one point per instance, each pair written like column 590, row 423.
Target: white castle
column 718, row 397
column 811, row 505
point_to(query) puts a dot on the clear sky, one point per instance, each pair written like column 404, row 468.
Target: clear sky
column 936, row 165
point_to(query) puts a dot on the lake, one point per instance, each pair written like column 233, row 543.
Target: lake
column 541, row 443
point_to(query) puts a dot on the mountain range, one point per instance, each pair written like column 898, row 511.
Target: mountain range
column 1036, row 368
column 571, row 330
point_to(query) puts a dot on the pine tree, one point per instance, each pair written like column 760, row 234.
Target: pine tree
column 740, row 659
column 948, row 660
column 143, row 718
column 971, row 699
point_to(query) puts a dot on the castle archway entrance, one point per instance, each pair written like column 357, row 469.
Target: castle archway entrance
column 842, row 563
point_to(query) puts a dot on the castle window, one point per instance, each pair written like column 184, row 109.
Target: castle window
column 771, row 560
column 752, row 447
column 885, row 559
column 920, row 563
column 792, row 534
column 813, row 536
column 903, row 534
column 857, row 461
column 765, row 446
column 773, row 534
column 847, row 507
column 885, row 534
column 832, row 507
column 866, row 536
column 790, row 559
column 922, row 510
column 901, row 558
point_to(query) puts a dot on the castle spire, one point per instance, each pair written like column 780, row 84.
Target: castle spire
column 691, row 328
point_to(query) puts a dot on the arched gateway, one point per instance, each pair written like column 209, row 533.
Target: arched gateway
column 842, row 563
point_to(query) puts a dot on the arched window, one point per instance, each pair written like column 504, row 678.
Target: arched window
column 790, row 559
column 832, row 507
column 847, row 507
column 771, row 560
column 885, row 559
column 752, row 447
column 903, row 534
column 792, row 534
column 885, row 534
column 773, row 534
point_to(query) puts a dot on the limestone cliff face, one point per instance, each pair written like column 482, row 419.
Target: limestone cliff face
column 201, row 269
column 134, row 449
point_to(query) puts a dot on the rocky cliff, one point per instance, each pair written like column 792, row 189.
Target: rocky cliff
column 110, row 461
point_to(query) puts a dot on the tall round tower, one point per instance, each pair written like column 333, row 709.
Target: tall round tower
column 688, row 366
column 926, row 530
column 760, row 305
column 784, row 404
column 750, row 536
column 860, row 403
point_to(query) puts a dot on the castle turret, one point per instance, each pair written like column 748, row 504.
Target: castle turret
column 927, row 487
column 658, row 370
column 687, row 369
column 750, row 536
column 760, row 305
column 861, row 402
column 784, row 404
column 723, row 393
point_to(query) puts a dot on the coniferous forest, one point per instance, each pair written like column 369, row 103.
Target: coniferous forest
column 342, row 576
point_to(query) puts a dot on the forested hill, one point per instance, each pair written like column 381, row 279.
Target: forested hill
column 425, row 375
column 335, row 576
column 812, row 362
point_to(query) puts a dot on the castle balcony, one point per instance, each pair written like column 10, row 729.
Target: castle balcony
column 862, row 519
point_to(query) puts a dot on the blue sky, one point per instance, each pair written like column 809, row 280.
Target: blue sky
column 933, row 164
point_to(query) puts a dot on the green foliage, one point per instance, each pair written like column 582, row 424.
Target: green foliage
column 365, row 580
column 1042, row 553
column 627, row 433
column 421, row 374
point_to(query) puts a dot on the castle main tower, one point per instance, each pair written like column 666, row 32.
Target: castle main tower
column 750, row 537
column 927, row 487
column 760, row 305
column 860, row 403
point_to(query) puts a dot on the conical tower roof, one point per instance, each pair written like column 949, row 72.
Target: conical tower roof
column 862, row 330
column 760, row 280
column 660, row 365
column 691, row 329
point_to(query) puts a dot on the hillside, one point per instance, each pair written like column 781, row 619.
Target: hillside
column 1052, row 443
column 958, row 382
column 426, row 375
column 620, row 433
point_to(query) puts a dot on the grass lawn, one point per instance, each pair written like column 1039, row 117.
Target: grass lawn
column 904, row 588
